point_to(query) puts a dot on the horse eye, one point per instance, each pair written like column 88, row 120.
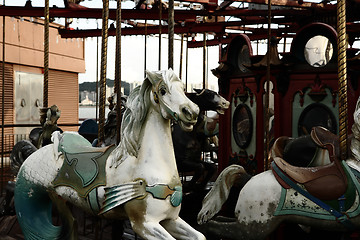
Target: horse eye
column 162, row 91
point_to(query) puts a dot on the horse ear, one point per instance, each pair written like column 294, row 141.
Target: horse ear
column 170, row 74
column 198, row 91
column 152, row 76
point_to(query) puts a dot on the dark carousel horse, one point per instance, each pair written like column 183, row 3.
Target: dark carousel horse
column 188, row 146
column 48, row 120
column 110, row 123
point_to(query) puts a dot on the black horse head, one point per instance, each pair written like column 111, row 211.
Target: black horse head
column 208, row 100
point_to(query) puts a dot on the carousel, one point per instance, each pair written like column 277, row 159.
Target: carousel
column 285, row 135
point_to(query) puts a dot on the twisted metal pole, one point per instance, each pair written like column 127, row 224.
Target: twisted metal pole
column 267, row 93
column 118, row 71
column 104, row 38
column 46, row 54
column 3, row 106
column 342, row 76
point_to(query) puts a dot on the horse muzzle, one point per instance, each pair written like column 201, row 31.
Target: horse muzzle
column 188, row 117
column 223, row 105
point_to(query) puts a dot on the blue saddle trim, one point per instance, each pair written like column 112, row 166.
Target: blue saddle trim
column 342, row 218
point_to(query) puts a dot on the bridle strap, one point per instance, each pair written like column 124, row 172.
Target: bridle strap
column 159, row 100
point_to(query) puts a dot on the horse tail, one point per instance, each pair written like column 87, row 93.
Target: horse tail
column 219, row 193
column 33, row 204
column 20, row 152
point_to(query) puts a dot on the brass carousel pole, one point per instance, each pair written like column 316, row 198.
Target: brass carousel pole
column 97, row 77
column 46, row 54
column 104, row 38
column 118, row 71
column 342, row 76
column 267, row 93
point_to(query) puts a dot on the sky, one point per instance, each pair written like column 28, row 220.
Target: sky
column 133, row 50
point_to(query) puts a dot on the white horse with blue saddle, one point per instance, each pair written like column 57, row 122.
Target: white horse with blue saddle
column 324, row 195
column 138, row 179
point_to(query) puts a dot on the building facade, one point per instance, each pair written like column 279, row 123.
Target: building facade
column 24, row 73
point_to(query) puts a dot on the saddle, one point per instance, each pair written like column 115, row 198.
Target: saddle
column 83, row 168
column 326, row 182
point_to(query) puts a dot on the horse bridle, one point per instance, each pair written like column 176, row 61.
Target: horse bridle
column 159, row 100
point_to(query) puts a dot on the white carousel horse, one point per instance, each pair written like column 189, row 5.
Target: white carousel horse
column 263, row 203
column 138, row 179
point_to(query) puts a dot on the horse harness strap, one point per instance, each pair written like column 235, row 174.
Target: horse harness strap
column 120, row 194
column 162, row 191
column 158, row 99
column 340, row 217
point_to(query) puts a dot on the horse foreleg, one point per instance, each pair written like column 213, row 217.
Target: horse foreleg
column 179, row 229
column 151, row 230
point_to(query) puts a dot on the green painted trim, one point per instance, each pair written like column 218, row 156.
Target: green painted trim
column 281, row 202
column 162, row 191
column 93, row 201
column 73, row 143
column 356, row 211
column 83, row 171
column 34, row 209
column 120, row 194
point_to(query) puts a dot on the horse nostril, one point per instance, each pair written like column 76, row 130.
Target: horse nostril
column 187, row 113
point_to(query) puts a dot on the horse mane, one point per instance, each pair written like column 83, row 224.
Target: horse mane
column 137, row 107
column 43, row 115
column 355, row 140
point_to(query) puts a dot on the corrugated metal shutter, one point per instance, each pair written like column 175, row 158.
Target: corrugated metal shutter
column 64, row 92
column 8, row 106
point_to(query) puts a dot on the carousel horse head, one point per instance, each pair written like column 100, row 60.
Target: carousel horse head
column 208, row 99
column 163, row 92
column 49, row 116
column 48, row 120
column 169, row 96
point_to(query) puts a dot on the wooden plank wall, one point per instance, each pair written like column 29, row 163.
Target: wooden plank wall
column 64, row 92
column 8, row 104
